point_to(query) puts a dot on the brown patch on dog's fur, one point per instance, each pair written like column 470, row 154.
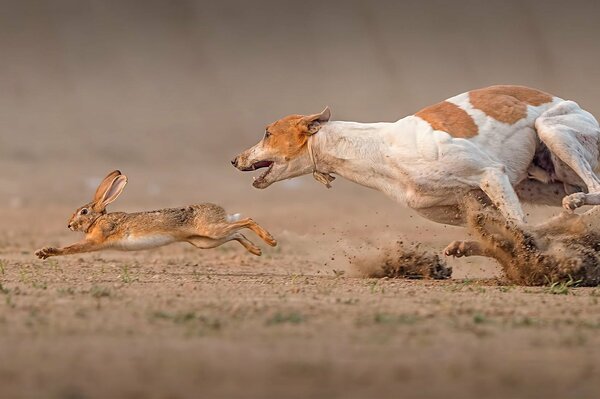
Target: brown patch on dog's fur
column 449, row 118
column 507, row 104
column 567, row 248
column 288, row 135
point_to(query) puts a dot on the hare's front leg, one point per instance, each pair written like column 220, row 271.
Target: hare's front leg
column 80, row 247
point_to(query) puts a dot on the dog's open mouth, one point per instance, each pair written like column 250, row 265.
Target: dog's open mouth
column 258, row 181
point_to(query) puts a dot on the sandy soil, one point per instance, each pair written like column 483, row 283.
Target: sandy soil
column 168, row 92
column 179, row 322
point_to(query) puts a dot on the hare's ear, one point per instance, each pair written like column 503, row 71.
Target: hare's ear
column 115, row 189
column 105, row 184
column 112, row 191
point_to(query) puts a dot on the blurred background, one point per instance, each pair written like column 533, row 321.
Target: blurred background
column 169, row 91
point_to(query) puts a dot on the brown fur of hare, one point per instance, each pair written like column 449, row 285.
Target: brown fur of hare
column 202, row 225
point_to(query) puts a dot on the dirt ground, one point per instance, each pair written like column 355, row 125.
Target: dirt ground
column 178, row 322
column 169, row 92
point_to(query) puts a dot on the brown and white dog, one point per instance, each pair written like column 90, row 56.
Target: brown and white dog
column 512, row 143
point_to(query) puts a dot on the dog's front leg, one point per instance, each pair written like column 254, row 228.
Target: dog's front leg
column 495, row 183
column 459, row 249
column 80, row 247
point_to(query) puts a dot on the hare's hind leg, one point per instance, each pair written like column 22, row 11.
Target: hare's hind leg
column 207, row 242
column 224, row 230
column 256, row 228
column 250, row 247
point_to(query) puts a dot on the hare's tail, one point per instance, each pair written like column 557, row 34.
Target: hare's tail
column 234, row 217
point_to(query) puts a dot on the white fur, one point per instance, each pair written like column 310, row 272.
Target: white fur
column 431, row 171
column 234, row 217
column 136, row 243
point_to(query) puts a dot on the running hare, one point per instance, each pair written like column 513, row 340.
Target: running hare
column 204, row 225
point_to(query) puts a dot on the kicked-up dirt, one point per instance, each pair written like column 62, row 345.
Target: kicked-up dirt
column 399, row 260
column 564, row 249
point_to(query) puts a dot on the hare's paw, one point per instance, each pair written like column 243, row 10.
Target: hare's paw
column 270, row 240
column 46, row 252
column 254, row 250
column 573, row 201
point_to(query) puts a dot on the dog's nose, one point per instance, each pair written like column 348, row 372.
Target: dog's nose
column 234, row 162
column 69, row 226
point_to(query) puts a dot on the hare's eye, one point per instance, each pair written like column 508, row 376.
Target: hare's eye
column 267, row 134
column 83, row 211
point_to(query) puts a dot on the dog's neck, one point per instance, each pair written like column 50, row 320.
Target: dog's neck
column 357, row 152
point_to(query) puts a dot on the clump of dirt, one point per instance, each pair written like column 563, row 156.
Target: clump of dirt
column 566, row 248
column 400, row 260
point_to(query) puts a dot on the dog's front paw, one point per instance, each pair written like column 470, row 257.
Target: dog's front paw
column 45, row 252
column 457, row 249
column 573, row 201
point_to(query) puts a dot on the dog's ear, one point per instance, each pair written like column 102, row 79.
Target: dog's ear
column 313, row 122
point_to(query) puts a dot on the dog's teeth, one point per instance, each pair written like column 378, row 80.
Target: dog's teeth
column 254, row 178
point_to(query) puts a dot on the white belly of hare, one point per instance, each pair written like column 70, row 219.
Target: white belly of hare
column 136, row 243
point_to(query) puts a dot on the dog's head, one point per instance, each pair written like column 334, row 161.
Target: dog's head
column 283, row 149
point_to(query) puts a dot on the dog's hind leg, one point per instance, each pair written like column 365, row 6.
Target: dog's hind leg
column 572, row 135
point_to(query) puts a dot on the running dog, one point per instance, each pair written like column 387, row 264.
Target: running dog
column 510, row 143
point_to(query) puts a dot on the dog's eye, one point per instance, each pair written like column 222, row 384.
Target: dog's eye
column 83, row 211
column 267, row 134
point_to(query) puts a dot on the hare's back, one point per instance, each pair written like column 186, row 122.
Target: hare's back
column 170, row 218
column 193, row 214
column 209, row 213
